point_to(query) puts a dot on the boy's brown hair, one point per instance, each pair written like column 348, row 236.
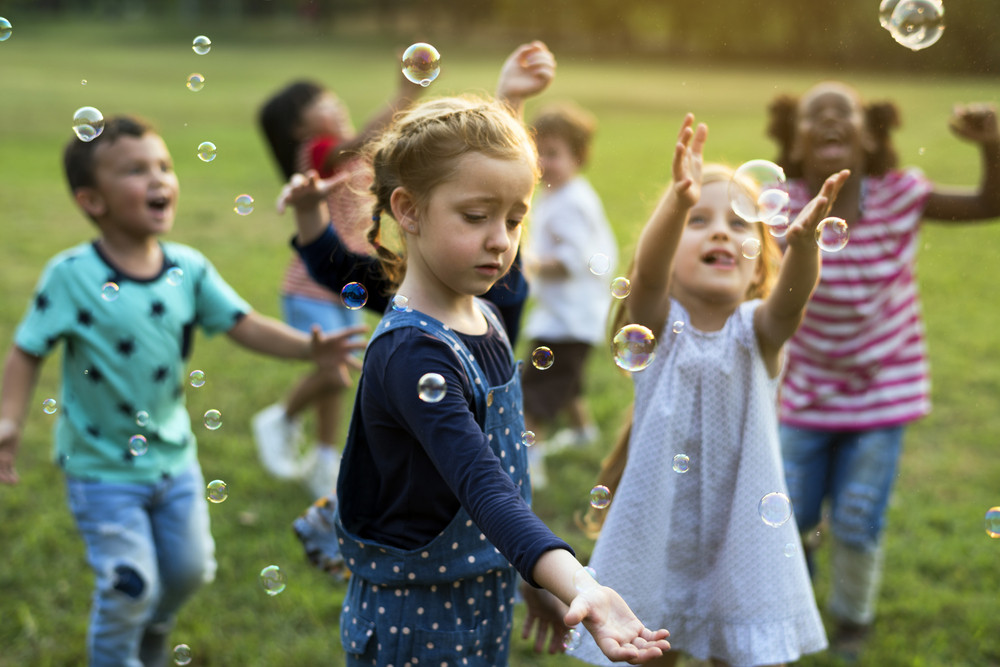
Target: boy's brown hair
column 570, row 123
column 78, row 155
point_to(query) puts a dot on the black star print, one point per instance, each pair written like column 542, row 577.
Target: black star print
column 157, row 309
column 41, row 301
column 84, row 318
column 127, row 455
column 94, row 375
column 50, row 342
column 126, row 408
column 125, row 347
column 160, row 374
column 237, row 316
column 93, row 431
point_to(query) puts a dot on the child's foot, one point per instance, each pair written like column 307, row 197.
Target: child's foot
column 320, row 468
column 277, row 439
column 848, row 640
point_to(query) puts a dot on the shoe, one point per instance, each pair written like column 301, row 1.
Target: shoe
column 571, row 437
column 277, row 439
column 319, row 469
column 536, row 468
column 848, row 640
column 315, row 529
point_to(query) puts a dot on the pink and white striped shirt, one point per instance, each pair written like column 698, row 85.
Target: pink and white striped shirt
column 859, row 360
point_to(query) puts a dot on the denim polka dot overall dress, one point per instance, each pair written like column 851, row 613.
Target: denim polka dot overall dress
column 449, row 602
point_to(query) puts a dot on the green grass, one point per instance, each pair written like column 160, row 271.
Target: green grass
column 939, row 605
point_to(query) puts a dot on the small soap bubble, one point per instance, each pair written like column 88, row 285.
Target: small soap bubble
column 195, row 82
column 917, row 24
column 182, row 654
column 600, row 497
column 421, row 63
column 832, row 234
column 216, row 491
column 88, row 123
column 775, row 508
column 542, row 358
column 272, row 578
column 584, row 579
column 5, row 29
column 993, row 522
column 142, row 418
column 201, row 45
column 885, row 10
column 197, row 378
column 751, row 248
column 50, row 406
column 137, row 444
column 572, row 640
column 431, row 387
column 400, row 303
column 599, row 264
column 175, row 276
column 677, row 327
column 354, row 296
column 777, row 226
column 633, row 347
column 789, row 549
column 243, row 204
column 621, row 287
column 207, row 151
column 682, row 463
column 109, row 291
column 528, row 438
column 83, row 82
column 747, row 187
column 213, row 420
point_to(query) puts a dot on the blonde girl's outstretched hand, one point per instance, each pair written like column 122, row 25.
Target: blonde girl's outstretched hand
column 975, row 122
column 528, row 71
column 618, row 633
column 802, row 231
column 688, row 161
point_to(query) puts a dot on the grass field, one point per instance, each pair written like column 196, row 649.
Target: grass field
column 940, row 602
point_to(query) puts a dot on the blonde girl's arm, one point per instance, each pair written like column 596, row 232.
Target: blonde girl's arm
column 648, row 302
column 526, row 72
column 976, row 123
column 20, row 375
column 781, row 313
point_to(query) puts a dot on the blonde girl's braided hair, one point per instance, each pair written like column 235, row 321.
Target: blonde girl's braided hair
column 422, row 147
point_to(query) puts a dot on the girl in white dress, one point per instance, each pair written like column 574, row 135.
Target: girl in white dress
column 689, row 539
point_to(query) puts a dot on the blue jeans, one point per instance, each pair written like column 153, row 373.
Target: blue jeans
column 854, row 469
column 151, row 548
column 302, row 312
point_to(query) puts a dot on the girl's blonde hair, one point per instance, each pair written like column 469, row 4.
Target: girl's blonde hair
column 768, row 262
column 421, row 149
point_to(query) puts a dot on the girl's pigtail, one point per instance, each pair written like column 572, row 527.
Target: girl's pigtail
column 781, row 128
column 881, row 119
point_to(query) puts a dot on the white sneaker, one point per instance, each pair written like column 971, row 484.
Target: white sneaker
column 571, row 437
column 277, row 439
column 320, row 467
column 536, row 468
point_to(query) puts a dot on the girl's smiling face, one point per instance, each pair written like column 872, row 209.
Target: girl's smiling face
column 831, row 133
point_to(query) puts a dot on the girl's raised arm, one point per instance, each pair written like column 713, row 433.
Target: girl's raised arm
column 654, row 256
column 976, row 123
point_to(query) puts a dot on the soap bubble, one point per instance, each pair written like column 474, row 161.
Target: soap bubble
column 682, row 463
column 213, row 420
column 599, row 264
column 777, row 226
column 5, row 29
column 207, row 151
column 201, row 45
column 885, row 10
column 50, row 406
column 421, row 63
column 83, row 82
column 542, row 358
column 216, row 491
column 775, row 508
column 677, row 327
column 137, row 445
column 584, row 579
column 993, row 522
column 917, row 24
column 272, row 579
column 572, row 640
column 88, row 123
column 182, row 654
column 197, row 379
column 751, row 248
column 142, row 418
column 832, row 234
column 243, row 204
column 634, row 346
column 754, row 190
column 790, row 549
column 175, row 276
column 400, row 303
column 621, row 287
column 109, row 291
column 600, row 497
column 195, row 82
column 528, row 438
column 431, row 387
column 354, row 296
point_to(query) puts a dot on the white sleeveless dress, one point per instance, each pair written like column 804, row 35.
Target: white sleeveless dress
column 689, row 551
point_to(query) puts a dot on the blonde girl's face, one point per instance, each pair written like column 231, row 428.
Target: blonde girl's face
column 830, row 132
column 718, row 256
column 465, row 236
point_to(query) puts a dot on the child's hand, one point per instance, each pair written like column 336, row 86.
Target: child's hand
column 802, row 231
column 527, row 71
column 10, row 439
column 617, row 631
column 545, row 611
column 332, row 352
column 975, row 122
column 688, row 160
column 304, row 191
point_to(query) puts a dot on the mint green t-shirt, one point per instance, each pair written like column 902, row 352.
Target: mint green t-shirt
column 127, row 342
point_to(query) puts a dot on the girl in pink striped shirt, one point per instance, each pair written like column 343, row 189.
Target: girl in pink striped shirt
column 857, row 368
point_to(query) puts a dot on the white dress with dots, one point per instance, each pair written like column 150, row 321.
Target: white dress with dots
column 689, row 551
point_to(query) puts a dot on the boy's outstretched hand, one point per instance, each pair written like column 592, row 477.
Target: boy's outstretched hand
column 802, row 231
column 333, row 352
column 618, row 633
column 527, row 71
column 975, row 122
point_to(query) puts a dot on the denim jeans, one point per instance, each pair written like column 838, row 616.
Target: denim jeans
column 151, row 548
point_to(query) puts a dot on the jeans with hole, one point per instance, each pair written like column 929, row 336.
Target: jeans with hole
column 151, row 548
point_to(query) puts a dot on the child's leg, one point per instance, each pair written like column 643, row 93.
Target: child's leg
column 115, row 527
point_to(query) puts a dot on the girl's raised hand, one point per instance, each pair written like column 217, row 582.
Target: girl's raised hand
column 688, row 161
column 802, row 231
column 618, row 633
column 527, row 71
column 975, row 122
column 305, row 190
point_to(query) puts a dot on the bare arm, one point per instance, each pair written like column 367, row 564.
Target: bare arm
column 781, row 313
column 20, row 376
column 650, row 294
column 526, row 72
column 976, row 123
